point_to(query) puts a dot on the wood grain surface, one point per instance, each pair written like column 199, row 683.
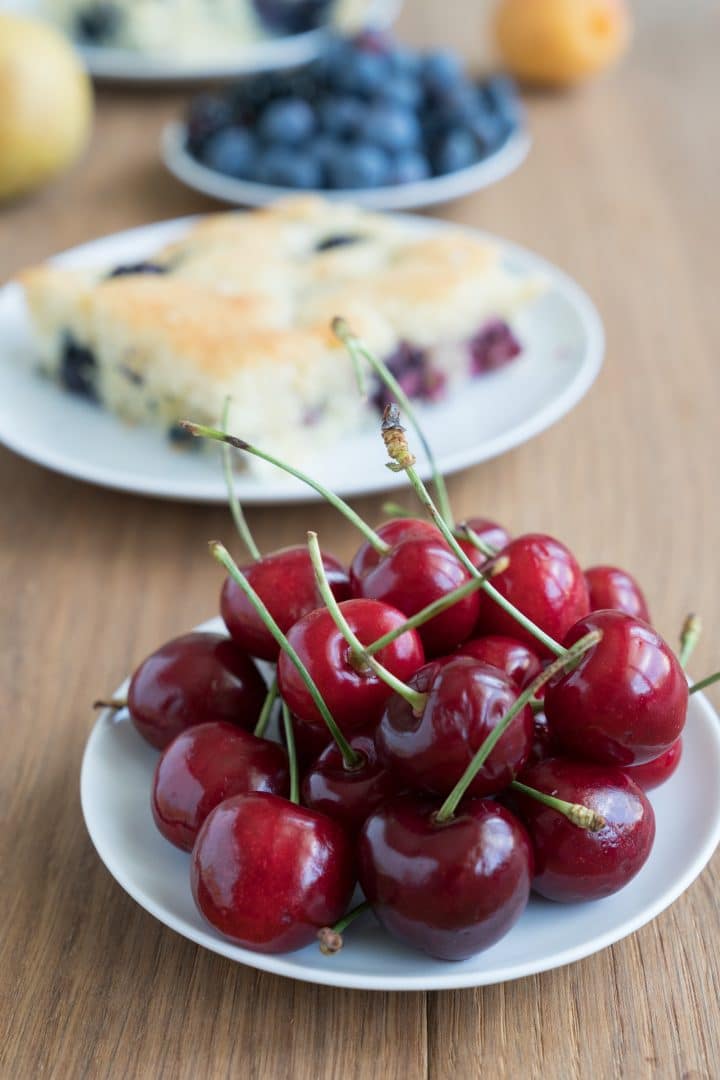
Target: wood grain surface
column 621, row 190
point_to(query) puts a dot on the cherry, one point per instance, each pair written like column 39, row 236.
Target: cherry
column 429, row 750
column 352, row 692
column 452, row 888
column 269, row 874
column 194, row 679
column 572, row 863
column 542, row 579
column 489, row 533
column 310, row 740
column 285, row 582
column 206, row 764
column 392, row 533
column 517, row 660
column 626, row 700
column 610, row 587
column 348, row 796
column 542, row 742
column 653, row 773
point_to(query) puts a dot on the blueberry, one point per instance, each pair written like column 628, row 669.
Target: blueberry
column 282, row 166
column 501, row 96
column 98, row 23
column 402, row 90
column 456, row 150
column 361, row 73
column 409, row 167
column 78, row 368
column 206, row 115
column 291, row 16
column 441, row 70
column 341, row 116
column 392, row 127
column 289, row 120
column 360, row 166
column 405, row 61
column 324, row 149
column 230, row 151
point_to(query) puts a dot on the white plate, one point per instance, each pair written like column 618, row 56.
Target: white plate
column 410, row 196
column 115, row 792
column 564, row 348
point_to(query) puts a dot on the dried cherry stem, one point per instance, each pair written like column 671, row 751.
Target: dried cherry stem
column 359, row 351
column 350, row 757
column 689, row 637
column 464, row 532
column 110, row 703
column 579, row 815
column 292, row 755
column 330, row 937
column 235, row 508
column 202, row 432
column 563, row 663
column 403, row 461
column 360, row 659
column 707, row 681
column 266, row 711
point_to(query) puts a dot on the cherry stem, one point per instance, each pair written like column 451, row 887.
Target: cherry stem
column 579, row 815
column 223, row 556
column 707, row 681
column 203, row 432
column 235, row 508
column 359, row 657
column 425, row 614
column 464, row 532
column 403, row 461
column 689, row 637
column 359, row 351
column 292, row 755
column 395, row 510
column 266, row 711
column 563, row 663
column 110, row 703
column 330, row 937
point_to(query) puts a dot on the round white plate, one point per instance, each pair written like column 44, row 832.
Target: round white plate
column 115, row 792
column 410, row 196
column 563, row 339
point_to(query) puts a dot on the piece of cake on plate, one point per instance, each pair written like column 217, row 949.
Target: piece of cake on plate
column 241, row 305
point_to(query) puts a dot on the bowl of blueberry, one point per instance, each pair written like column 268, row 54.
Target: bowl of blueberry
column 370, row 121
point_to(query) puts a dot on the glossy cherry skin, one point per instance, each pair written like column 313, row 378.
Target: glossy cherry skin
column 348, row 795
column 356, row 699
column 626, row 700
column 206, row 764
column 268, row 874
column 572, row 863
column 194, row 679
column 466, row 701
column 517, row 660
column 544, row 581
column 542, row 743
column 489, row 531
column 310, row 741
column 285, row 582
column 450, row 889
column 612, row 588
column 654, row 773
column 393, row 532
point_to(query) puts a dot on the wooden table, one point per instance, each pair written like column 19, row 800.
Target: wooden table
column 621, row 191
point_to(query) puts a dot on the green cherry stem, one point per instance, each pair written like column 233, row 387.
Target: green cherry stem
column 235, row 508
column 395, row 510
column 707, row 681
column 689, row 637
column 223, row 556
column 266, row 711
column 464, row 532
column 330, row 937
column 359, row 351
column 403, row 461
column 360, row 658
column 203, row 432
column 579, row 815
column 563, row 663
column 292, row 755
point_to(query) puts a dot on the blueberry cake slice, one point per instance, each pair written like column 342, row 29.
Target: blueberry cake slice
column 242, row 304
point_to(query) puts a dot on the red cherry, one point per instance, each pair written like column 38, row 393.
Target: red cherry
column 542, row 743
column 348, row 795
column 573, row 863
column 355, row 698
column 194, row 679
column 310, row 740
column 451, row 889
column 269, row 874
column 520, row 663
column 466, row 701
column 493, row 534
column 612, row 588
column 626, row 701
column 206, row 764
column 653, row 773
column 392, row 532
column 285, row 582
column 544, row 581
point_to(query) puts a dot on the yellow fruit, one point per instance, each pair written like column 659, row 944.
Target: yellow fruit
column 558, row 42
column 45, row 104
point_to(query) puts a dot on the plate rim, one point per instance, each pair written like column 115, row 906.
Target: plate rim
column 279, row 965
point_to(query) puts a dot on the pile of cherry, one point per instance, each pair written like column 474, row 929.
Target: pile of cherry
column 467, row 717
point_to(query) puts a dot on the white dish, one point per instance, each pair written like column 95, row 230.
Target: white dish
column 410, row 196
column 115, row 792
column 564, row 348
